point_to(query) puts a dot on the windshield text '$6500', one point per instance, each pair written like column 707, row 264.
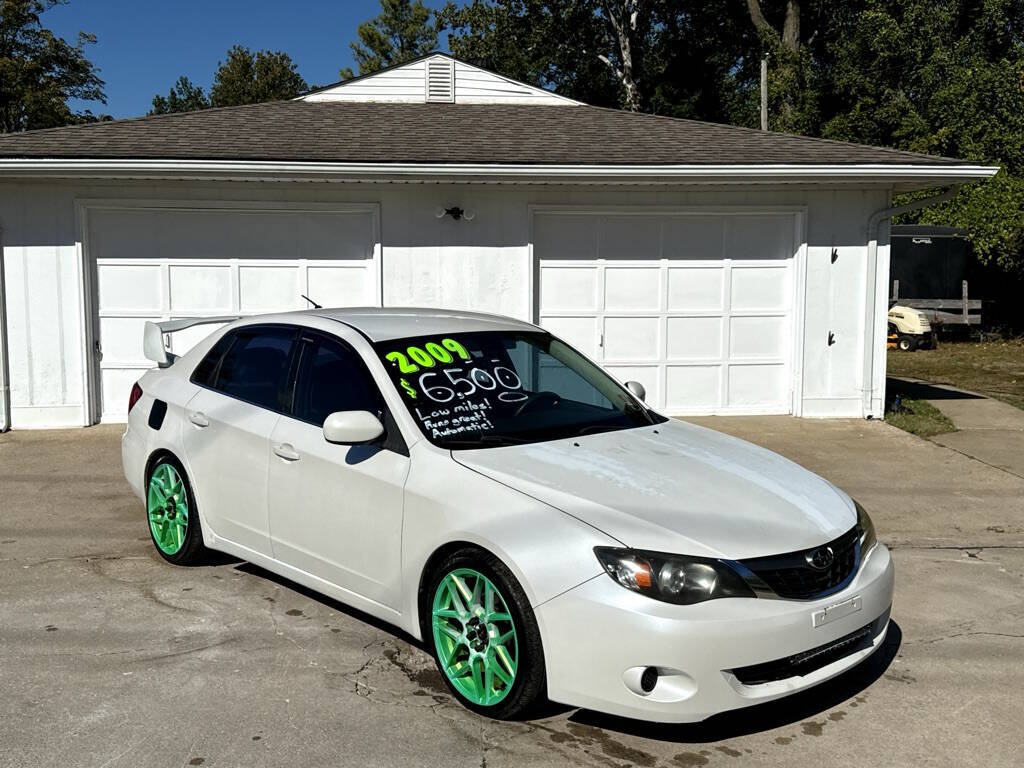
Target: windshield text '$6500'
column 454, row 383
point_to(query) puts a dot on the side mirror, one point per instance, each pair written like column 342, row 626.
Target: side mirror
column 637, row 389
column 352, row 427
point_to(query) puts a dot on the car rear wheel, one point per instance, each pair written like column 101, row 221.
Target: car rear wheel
column 171, row 510
column 484, row 636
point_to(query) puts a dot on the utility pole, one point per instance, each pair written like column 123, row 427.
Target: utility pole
column 764, row 92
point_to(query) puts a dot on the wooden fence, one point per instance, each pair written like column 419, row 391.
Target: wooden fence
column 962, row 311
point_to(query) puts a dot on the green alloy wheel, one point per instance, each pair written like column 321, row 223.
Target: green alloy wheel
column 167, row 505
column 475, row 637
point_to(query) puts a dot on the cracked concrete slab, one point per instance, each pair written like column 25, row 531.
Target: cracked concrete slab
column 110, row 657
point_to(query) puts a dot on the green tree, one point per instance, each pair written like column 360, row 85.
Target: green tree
column 664, row 56
column 403, row 31
column 251, row 78
column 39, row 71
column 943, row 77
column 563, row 45
column 935, row 76
column 184, row 96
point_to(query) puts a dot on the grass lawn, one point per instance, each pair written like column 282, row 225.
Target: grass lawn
column 991, row 368
column 921, row 418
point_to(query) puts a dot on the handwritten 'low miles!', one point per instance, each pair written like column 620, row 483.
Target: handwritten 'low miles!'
column 459, row 419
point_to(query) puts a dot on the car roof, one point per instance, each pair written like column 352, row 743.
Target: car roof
column 384, row 324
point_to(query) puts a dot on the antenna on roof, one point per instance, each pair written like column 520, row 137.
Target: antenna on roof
column 315, row 305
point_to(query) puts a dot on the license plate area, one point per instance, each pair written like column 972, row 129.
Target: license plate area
column 836, row 611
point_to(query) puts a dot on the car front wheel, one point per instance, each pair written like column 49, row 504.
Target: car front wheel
column 484, row 635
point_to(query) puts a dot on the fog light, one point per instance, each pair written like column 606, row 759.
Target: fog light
column 649, row 679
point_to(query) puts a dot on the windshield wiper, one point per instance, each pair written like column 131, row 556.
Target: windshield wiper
column 592, row 428
column 482, row 440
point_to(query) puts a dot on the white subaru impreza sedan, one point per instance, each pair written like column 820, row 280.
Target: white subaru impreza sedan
column 483, row 486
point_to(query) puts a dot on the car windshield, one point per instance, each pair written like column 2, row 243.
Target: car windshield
column 487, row 389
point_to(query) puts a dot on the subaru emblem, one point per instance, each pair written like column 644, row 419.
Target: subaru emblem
column 821, row 558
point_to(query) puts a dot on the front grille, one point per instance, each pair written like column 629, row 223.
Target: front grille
column 806, row 662
column 790, row 575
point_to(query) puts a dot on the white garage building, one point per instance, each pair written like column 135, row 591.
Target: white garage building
column 726, row 269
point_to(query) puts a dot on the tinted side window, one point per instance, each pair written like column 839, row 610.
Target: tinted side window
column 204, row 372
column 255, row 368
column 332, row 378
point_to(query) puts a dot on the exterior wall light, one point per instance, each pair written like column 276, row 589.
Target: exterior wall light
column 455, row 212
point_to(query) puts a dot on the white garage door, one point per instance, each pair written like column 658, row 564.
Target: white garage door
column 162, row 264
column 697, row 308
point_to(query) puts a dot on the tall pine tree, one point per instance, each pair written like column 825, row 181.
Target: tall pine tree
column 404, row 30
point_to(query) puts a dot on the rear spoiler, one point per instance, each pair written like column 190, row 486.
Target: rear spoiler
column 153, row 336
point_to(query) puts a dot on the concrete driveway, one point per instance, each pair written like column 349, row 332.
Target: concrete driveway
column 109, row 657
column 987, row 430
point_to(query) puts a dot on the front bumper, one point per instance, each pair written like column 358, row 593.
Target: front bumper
column 598, row 637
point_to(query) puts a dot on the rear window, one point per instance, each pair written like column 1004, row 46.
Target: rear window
column 207, row 368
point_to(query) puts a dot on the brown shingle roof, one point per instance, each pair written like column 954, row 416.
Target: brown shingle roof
column 503, row 134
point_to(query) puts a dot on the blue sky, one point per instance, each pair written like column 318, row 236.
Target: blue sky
column 143, row 46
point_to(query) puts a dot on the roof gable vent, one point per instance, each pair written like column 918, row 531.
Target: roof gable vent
column 440, row 80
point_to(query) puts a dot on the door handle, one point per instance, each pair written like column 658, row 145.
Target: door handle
column 198, row 418
column 286, row 452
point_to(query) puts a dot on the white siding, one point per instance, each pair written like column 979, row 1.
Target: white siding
column 480, row 264
column 476, row 86
column 406, row 84
column 403, row 84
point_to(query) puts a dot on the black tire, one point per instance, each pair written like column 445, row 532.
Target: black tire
column 192, row 551
column 529, row 686
column 906, row 344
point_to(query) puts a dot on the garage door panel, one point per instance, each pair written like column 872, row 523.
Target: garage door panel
column 129, row 288
column 644, row 374
column 200, row 288
column 758, row 337
column 757, row 385
column 268, row 289
column 759, row 237
column 632, row 288
column 121, row 339
column 580, row 332
column 183, row 341
column 565, row 237
column 340, row 286
column 693, row 338
column 212, row 233
column 631, row 338
column 754, row 288
column 350, row 237
column 568, row 289
column 693, row 237
column 629, row 237
column 693, row 387
column 117, row 384
column 695, row 288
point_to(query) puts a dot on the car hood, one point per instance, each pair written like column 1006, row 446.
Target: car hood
column 676, row 487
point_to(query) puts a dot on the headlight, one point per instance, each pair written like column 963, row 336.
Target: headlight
column 866, row 529
column 672, row 578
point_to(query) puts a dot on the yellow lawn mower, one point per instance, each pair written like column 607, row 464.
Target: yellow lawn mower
column 909, row 329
